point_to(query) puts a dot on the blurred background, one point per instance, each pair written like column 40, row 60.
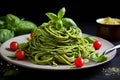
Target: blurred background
column 79, row 10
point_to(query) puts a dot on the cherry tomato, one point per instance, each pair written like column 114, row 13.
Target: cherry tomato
column 31, row 34
column 14, row 45
column 97, row 44
column 20, row 54
column 79, row 62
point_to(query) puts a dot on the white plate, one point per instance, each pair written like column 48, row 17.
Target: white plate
column 25, row 63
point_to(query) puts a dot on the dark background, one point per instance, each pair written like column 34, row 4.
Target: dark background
column 79, row 10
column 83, row 12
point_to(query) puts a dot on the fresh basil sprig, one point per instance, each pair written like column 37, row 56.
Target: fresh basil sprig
column 59, row 20
column 90, row 38
column 99, row 58
column 52, row 16
column 61, row 13
column 6, row 34
column 69, row 22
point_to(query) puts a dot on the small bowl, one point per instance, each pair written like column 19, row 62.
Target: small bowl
column 109, row 31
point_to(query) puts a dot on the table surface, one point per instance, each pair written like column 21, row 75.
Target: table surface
column 107, row 71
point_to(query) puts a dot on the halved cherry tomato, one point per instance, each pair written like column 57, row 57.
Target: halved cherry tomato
column 20, row 54
column 97, row 44
column 79, row 62
column 14, row 45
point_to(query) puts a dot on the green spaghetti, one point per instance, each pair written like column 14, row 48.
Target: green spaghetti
column 58, row 41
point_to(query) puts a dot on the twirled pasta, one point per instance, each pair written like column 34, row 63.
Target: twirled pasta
column 58, row 41
column 52, row 46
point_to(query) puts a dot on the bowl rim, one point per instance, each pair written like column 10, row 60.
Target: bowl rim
column 100, row 19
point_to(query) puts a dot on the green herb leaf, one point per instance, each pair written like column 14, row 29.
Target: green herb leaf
column 22, row 45
column 2, row 22
column 12, row 56
column 94, row 55
column 69, row 22
column 10, row 18
column 52, row 16
column 12, row 21
column 11, row 72
column 101, row 58
column 5, row 34
column 59, row 24
column 25, row 27
column 61, row 13
column 91, row 39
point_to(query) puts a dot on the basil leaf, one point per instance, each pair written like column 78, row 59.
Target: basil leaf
column 11, row 72
column 22, row 45
column 94, row 55
column 2, row 22
column 25, row 27
column 12, row 21
column 61, row 13
column 12, row 56
column 59, row 24
column 52, row 16
column 2, row 26
column 5, row 34
column 69, row 22
column 12, row 18
column 101, row 58
column 91, row 39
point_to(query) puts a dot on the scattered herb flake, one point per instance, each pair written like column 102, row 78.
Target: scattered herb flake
column 110, row 71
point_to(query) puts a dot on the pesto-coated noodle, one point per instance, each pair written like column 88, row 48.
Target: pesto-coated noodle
column 52, row 44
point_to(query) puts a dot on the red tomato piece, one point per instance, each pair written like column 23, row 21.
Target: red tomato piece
column 20, row 54
column 79, row 62
column 14, row 45
column 97, row 44
column 31, row 34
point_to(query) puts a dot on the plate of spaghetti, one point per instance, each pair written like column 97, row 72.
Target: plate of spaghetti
column 55, row 45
